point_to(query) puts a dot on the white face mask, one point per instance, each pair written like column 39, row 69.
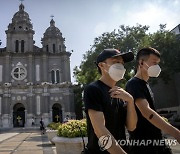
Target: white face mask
column 154, row 70
column 116, row 71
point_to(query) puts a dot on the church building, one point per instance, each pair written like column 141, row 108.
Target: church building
column 35, row 82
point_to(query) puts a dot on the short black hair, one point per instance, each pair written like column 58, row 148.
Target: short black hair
column 146, row 52
column 99, row 69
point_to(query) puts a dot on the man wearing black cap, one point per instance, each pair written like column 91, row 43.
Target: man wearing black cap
column 109, row 108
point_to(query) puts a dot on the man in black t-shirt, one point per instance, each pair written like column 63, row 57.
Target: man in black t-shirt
column 147, row 136
column 109, row 108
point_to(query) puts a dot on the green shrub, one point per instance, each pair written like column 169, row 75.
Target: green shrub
column 73, row 128
column 54, row 125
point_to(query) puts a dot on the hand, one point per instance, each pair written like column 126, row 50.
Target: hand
column 117, row 92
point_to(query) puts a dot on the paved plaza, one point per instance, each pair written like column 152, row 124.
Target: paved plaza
column 31, row 141
column 25, row 141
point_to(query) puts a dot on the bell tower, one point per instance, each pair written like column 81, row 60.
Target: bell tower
column 53, row 41
column 20, row 33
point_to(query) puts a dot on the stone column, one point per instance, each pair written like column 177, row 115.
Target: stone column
column 30, row 68
column 7, row 70
column 26, row 123
column 51, row 115
column 6, row 104
column 44, row 71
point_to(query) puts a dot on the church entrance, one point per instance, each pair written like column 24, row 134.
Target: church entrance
column 18, row 115
column 57, row 113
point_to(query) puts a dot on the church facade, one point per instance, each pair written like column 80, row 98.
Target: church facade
column 35, row 82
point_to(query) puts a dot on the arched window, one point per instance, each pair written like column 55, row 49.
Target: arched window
column 22, row 46
column 16, row 46
column 53, row 76
column 47, row 48
column 57, row 76
column 54, row 48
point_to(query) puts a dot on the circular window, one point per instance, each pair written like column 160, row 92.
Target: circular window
column 19, row 73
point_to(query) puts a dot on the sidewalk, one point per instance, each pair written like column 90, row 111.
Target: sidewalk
column 30, row 141
column 25, row 141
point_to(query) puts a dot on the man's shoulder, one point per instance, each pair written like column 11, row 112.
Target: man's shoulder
column 93, row 86
column 132, row 81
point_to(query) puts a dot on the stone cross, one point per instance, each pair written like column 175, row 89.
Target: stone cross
column 52, row 16
column 21, row 1
column 57, row 118
column 18, row 118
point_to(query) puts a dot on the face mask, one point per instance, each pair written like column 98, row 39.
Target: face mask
column 116, row 71
column 154, row 70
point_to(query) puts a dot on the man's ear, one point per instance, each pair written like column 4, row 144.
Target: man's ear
column 141, row 62
column 100, row 64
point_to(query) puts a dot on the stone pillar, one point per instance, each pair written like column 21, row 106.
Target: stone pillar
column 7, row 70
column 63, row 114
column 45, row 103
column 26, row 119
column 44, row 71
column 11, row 118
column 31, row 105
column 66, row 68
column 51, row 116
column 5, row 121
column 30, row 68
column 0, row 106
column 6, row 104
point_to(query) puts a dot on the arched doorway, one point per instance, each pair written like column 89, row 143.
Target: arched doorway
column 57, row 113
column 18, row 115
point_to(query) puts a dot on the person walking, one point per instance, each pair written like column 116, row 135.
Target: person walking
column 109, row 108
column 150, row 123
column 42, row 127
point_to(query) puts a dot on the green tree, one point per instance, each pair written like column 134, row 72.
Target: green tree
column 169, row 46
column 78, row 101
column 128, row 38
column 125, row 39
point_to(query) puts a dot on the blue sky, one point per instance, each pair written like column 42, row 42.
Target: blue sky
column 80, row 21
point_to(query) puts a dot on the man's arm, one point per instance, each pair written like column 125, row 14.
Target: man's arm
column 98, row 123
column 131, row 119
column 156, row 119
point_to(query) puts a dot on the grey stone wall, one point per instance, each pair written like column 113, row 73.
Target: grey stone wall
column 167, row 95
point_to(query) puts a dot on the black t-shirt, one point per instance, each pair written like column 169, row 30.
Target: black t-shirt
column 144, row 130
column 97, row 97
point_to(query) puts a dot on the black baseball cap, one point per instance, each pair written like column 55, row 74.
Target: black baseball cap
column 110, row 53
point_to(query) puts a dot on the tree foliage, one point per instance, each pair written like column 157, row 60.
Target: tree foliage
column 133, row 38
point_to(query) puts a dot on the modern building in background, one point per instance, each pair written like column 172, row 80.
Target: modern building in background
column 35, row 82
column 176, row 30
column 167, row 95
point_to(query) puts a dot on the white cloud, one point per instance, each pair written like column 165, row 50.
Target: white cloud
column 153, row 15
column 100, row 28
column 115, row 8
column 176, row 2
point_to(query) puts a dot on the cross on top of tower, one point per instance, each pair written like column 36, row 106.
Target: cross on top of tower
column 21, row 6
column 52, row 16
column 21, row 1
